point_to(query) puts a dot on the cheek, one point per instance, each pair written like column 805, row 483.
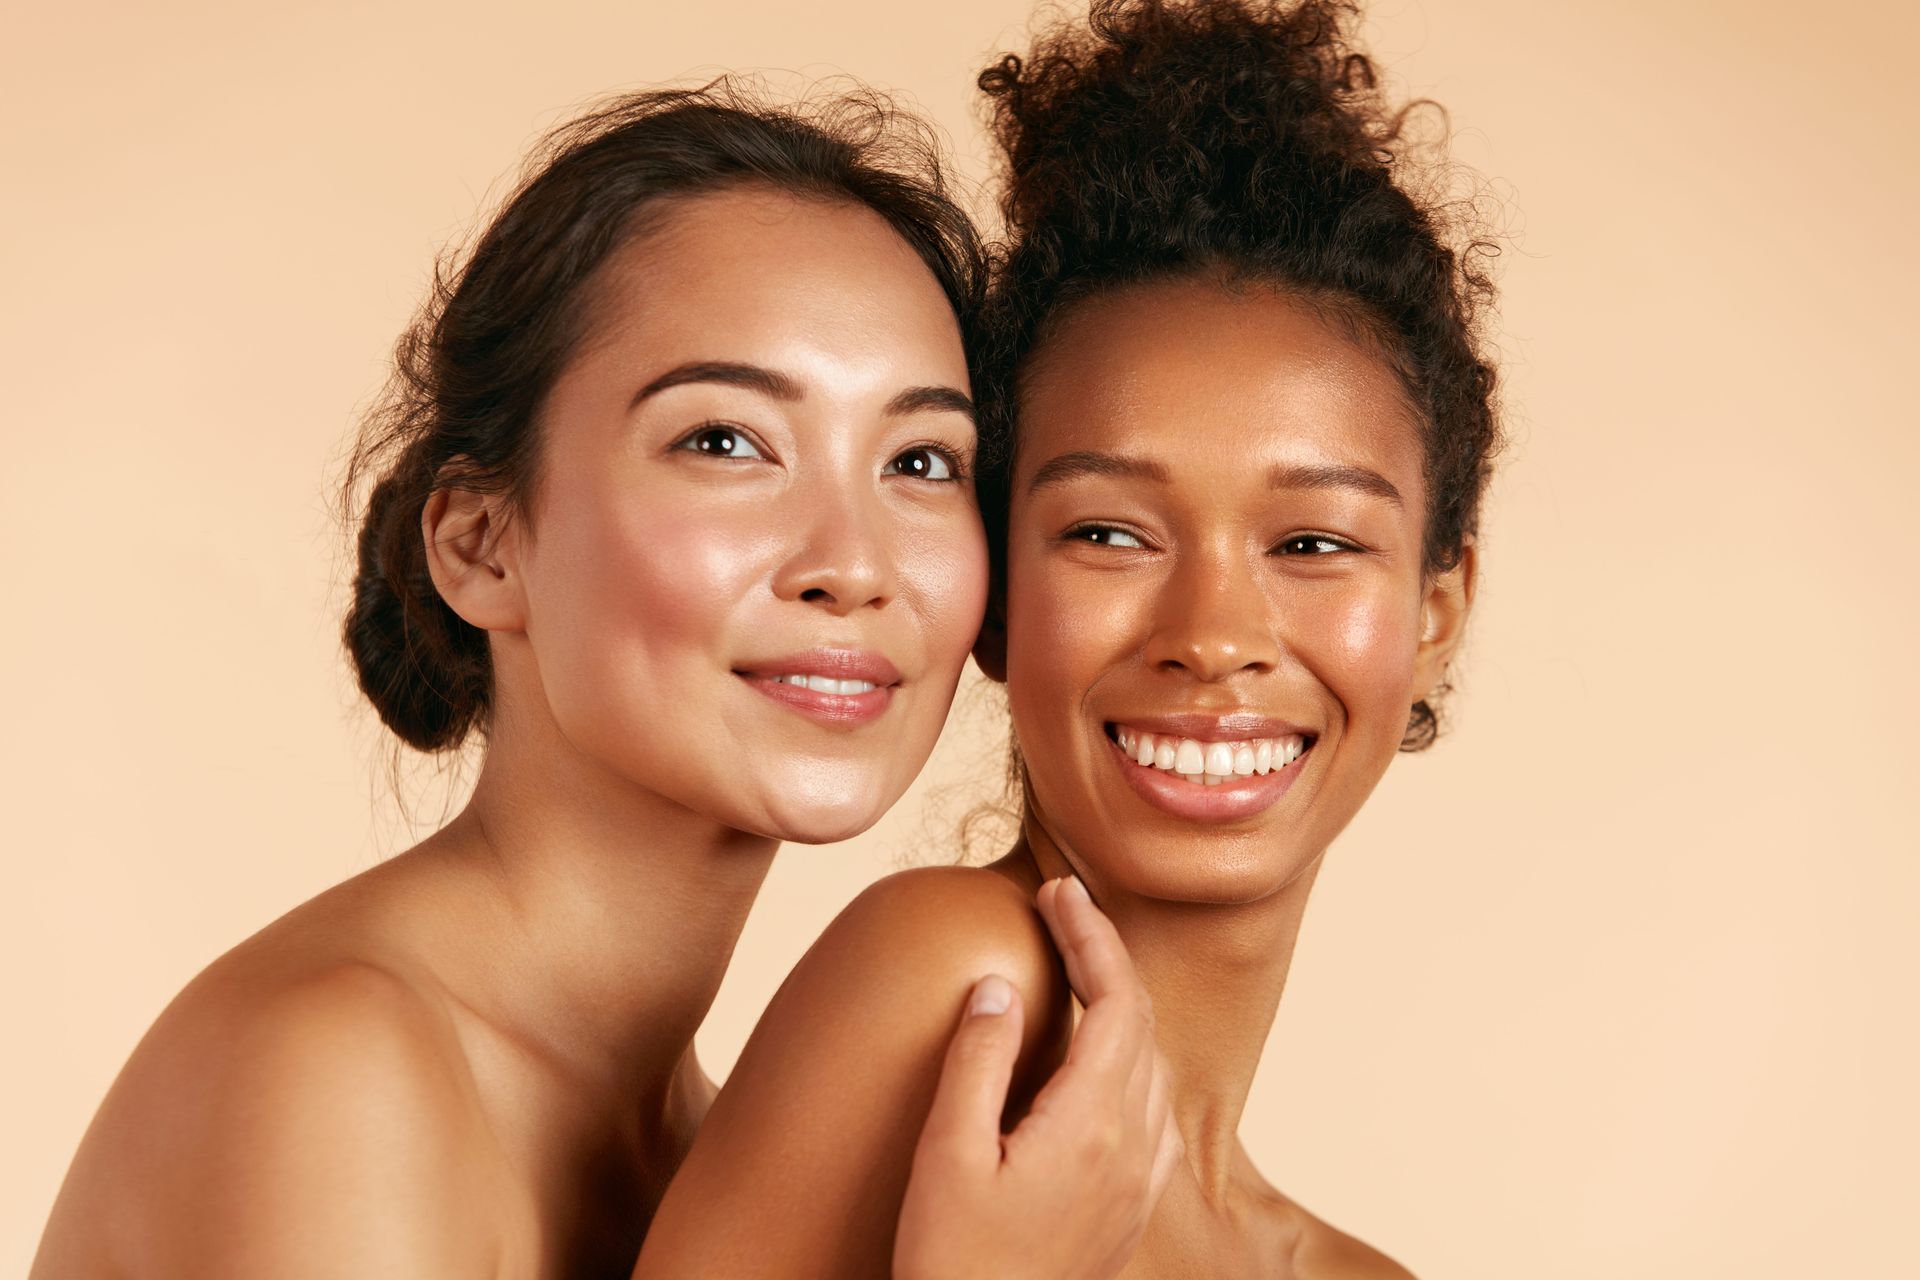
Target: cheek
column 942, row 567
column 1362, row 646
column 1063, row 631
column 626, row 592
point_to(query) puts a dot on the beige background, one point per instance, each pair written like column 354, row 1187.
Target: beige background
column 1617, row 982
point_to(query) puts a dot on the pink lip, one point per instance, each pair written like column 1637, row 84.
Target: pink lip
column 836, row 709
column 1241, row 798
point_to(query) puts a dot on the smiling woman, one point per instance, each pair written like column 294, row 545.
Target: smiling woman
column 1238, row 433
column 675, row 508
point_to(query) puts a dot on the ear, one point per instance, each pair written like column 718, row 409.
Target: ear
column 473, row 552
column 1443, row 621
column 990, row 648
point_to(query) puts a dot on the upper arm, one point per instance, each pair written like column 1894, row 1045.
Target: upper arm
column 321, row 1131
column 800, row 1165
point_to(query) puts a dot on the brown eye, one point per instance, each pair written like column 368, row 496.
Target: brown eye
column 924, row 464
column 721, row 442
column 1311, row 544
column 1105, row 535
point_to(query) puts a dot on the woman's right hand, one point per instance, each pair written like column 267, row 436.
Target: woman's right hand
column 1066, row 1195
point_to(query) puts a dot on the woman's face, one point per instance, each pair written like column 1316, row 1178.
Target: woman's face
column 753, row 563
column 1217, row 619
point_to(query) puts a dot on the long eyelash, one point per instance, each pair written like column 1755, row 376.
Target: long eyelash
column 1077, row 532
column 961, row 463
column 1344, row 544
column 720, row 424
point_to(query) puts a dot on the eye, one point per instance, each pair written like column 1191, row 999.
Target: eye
column 1312, row 544
column 716, row 441
column 924, row 462
column 1105, row 535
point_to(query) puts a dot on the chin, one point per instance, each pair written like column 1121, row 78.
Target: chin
column 824, row 814
column 1204, row 870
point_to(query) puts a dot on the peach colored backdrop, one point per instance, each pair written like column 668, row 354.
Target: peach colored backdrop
column 1617, row 982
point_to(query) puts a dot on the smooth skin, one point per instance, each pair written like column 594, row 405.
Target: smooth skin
column 476, row 1059
column 1211, row 541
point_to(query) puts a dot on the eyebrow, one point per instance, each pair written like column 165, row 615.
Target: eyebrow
column 726, row 373
column 1357, row 479
column 939, row 399
column 1071, row 466
column 780, row 386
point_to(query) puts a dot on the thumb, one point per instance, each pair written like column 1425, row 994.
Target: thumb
column 964, row 1121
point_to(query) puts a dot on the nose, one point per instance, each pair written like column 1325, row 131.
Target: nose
column 1213, row 619
column 842, row 560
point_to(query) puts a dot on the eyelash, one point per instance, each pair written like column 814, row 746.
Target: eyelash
column 1336, row 544
column 1081, row 533
column 956, row 465
column 686, row 442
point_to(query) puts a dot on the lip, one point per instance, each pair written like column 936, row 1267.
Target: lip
column 1195, row 802
column 844, row 710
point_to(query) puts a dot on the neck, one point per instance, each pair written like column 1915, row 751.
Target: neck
column 1216, row 972
column 600, row 916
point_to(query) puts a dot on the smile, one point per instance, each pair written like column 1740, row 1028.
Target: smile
column 1209, row 764
column 826, row 684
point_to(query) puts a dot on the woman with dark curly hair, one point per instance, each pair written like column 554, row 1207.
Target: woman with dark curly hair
column 1241, row 432
column 671, row 504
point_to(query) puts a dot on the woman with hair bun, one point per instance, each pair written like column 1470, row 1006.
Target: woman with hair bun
column 671, row 503
column 1240, row 431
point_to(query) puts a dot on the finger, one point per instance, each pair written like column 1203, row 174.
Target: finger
column 1097, row 961
column 964, row 1121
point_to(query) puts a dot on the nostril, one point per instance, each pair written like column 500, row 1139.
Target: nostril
column 817, row 594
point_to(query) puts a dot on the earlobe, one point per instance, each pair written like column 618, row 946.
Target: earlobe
column 1443, row 620
column 471, row 549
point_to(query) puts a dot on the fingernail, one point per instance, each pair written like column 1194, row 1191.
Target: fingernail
column 991, row 996
column 1075, row 887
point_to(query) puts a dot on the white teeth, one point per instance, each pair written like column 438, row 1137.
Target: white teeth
column 827, row 684
column 1209, row 764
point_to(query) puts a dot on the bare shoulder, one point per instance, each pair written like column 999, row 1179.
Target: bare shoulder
column 282, row 1096
column 838, row 1076
column 1324, row 1252
column 950, row 926
column 894, row 970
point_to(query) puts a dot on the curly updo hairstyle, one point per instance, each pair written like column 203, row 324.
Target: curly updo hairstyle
column 471, row 373
column 1243, row 139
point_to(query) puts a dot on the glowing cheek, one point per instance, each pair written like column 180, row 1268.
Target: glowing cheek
column 655, row 589
column 1066, row 629
column 1368, row 645
column 943, row 574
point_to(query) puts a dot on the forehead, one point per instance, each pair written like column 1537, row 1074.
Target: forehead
column 758, row 269
column 1213, row 376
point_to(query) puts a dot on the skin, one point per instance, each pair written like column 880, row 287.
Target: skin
column 1206, row 589
column 477, row 1058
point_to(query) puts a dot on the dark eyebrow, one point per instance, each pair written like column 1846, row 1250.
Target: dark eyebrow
column 780, row 386
column 1359, row 479
column 943, row 399
column 728, row 373
column 1069, row 466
